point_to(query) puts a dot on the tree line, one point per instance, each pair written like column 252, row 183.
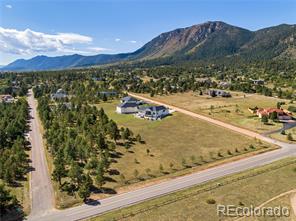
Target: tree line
column 82, row 140
column 14, row 162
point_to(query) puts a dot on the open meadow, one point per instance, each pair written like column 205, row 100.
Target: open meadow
column 233, row 110
column 174, row 142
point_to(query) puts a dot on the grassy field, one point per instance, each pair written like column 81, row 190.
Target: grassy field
column 252, row 187
column 171, row 140
column 232, row 110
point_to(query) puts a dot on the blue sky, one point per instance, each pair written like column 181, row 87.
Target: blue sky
column 32, row 27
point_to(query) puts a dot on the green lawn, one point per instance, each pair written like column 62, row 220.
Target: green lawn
column 232, row 110
column 171, row 140
column 252, row 187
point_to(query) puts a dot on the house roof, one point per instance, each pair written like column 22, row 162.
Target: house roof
column 108, row 92
column 127, row 104
column 129, row 99
column 157, row 108
column 267, row 111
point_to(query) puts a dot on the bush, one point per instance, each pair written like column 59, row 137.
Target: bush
column 290, row 137
column 211, row 201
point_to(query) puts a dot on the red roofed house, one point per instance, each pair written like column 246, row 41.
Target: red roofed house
column 281, row 114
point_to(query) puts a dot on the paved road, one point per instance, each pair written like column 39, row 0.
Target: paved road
column 40, row 184
column 153, row 191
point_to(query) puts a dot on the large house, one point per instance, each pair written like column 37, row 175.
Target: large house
column 60, row 94
column 128, row 105
column 127, row 108
column 219, row 93
column 7, row 98
column 281, row 113
column 153, row 112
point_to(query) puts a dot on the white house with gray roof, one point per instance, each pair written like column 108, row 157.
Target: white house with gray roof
column 127, row 108
column 60, row 94
column 153, row 112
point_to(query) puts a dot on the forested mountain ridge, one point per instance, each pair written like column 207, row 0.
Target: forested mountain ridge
column 210, row 40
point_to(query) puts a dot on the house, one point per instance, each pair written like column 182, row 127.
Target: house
column 98, row 79
column 258, row 82
column 127, row 108
column 7, row 98
column 128, row 105
column 220, row 93
column 153, row 112
column 129, row 99
column 281, row 113
column 224, row 84
column 60, row 94
column 108, row 93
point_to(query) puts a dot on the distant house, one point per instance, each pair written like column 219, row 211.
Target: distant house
column 224, row 84
column 108, row 93
column 153, row 112
column 127, row 108
column 219, row 93
column 204, row 80
column 281, row 113
column 258, row 82
column 98, row 79
column 60, row 94
column 7, row 98
column 129, row 99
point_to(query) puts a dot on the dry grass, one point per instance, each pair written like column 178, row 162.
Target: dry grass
column 232, row 110
column 284, row 138
column 248, row 191
column 174, row 138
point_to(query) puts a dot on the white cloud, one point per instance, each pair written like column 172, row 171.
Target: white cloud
column 8, row 6
column 133, row 41
column 97, row 49
column 29, row 42
column 117, row 39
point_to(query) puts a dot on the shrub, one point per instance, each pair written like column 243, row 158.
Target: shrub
column 211, row 201
column 290, row 137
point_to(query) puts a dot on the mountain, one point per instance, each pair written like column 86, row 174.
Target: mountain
column 61, row 62
column 205, row 41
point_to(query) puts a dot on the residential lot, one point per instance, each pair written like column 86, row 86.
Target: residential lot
column 254, row 187
column 233, row 110
column 173, row 140
column 176, row 145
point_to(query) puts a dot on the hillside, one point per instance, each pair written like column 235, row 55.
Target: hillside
column 205, row 41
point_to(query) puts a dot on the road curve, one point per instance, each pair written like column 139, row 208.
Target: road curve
column 41, row 189
column 153, row 191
